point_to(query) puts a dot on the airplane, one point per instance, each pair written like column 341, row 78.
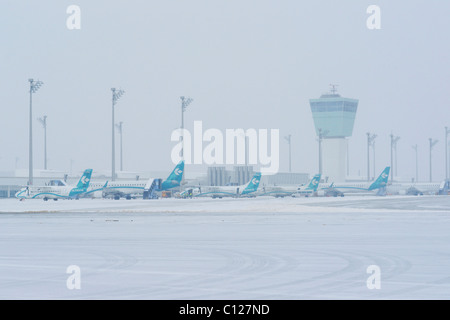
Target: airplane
column 289, row 191
column 331, row 191
column 95, row 190
column 55, row 192
column 310, row 189
column 413, row 188
column 244, row 191
column 378, row 185
column 135, row 188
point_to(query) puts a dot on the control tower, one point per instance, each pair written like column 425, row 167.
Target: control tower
column 333, row 117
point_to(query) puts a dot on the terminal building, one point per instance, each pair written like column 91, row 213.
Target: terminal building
column 333, row 117
column 219, row 176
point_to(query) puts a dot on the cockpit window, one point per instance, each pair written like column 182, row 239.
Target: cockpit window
column 57, row 183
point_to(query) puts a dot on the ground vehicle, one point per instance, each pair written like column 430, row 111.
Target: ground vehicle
column 412, row 191
column 332, row 192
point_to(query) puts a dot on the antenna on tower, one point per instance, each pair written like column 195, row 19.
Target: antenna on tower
column 333, row 88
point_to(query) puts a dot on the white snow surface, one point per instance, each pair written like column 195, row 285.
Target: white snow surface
column 263, row 248
column 204, row 205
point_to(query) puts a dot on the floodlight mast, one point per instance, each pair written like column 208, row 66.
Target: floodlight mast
column 119, row 127
column 288, row 139
column 394, row 141
column 373, row 156
column 116, row 94
column 395, row 155
column 417, row 162
column 43, row 121
column 185, row 102
column 34, row 87
column 432, row 144
column 370, row 142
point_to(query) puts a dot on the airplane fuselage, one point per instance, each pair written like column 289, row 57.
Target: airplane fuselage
column 50, row 192
column 419, row 187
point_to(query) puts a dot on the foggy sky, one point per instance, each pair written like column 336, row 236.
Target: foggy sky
column 246, row 64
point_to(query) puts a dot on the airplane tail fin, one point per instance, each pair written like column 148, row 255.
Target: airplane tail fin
column 253, row 184
column 314, row 183
column 174, row 179
column 381, row 180
column 85, row 179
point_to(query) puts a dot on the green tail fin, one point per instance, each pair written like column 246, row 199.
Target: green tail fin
column 83, row 183
column 381, row 180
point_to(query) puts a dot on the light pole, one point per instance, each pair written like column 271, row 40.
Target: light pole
column 34, row 86
column 119, row 128
column 417, row 162
column 395, row 155
column 185, row 102
column 116, row 94
column 43, row 121
column 373, row 154
column 393, row 145
column 288, row 139
column 370, row 140
column 447, row 131
column 432, row 144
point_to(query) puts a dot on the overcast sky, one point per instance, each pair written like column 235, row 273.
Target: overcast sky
column 246, row 64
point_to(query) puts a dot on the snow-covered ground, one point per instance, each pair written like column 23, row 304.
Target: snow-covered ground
column 263, row 248
column 259, row 204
